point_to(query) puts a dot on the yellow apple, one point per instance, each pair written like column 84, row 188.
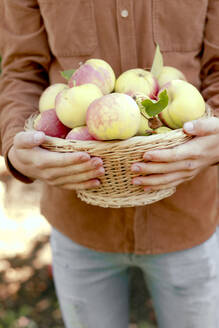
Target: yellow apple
column 71, row 104
column 137, row 80
column 162, row 129
column 185, row 104
column 144, row 127
column 169, row 73
column 47, row 98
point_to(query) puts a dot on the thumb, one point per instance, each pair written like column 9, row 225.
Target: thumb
column 202, row 127
column 29, row 139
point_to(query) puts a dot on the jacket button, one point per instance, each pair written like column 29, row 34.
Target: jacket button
column 124, row 13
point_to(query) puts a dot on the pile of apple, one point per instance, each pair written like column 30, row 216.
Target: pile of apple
column 95, row 105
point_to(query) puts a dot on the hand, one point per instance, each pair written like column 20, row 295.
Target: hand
column 72, row 171
column 170, row 167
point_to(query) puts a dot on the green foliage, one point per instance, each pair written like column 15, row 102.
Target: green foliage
column 14, row 318
column 145, row 325
column 153, row 107
column 157, row 64
column 68, row 74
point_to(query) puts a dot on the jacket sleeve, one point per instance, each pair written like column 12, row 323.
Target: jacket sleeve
column 210, row 58
column 25, row 62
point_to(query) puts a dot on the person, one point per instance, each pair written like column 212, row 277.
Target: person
column 173, row 241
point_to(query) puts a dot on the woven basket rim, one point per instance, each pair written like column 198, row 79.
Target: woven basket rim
column 103, row 144
column 113, row 144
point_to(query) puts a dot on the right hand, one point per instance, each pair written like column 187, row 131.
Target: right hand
column 72, row 171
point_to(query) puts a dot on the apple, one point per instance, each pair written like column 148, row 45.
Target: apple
column 79, row 133
column 138, row 98
column 150, row 126
column 162, row 129
column 47, row 98
column 113, row 116
column 49, row 123
column 147, row 123
column 144, row 128
column 137, row 80
column 185, row 104
column 169, row 73
column 71, row 104
column 96, row 71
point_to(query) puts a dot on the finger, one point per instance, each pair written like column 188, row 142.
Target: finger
column 178, row 153
column 161, row 179
column 28, row 139
column 152, row 168
column 53, row 173
column 189, row 150
column 202, row 127
column 90, row 165
column 77, row 178
column 82, row 186
column 166, row 186
column 44, row 159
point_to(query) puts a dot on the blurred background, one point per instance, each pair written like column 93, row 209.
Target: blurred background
column 27, row 295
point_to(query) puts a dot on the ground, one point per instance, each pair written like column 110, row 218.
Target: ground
column 27, row 294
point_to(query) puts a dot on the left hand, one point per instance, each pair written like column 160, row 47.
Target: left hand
column 170, row 167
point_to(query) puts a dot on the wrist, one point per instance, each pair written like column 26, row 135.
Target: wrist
column 14, row 171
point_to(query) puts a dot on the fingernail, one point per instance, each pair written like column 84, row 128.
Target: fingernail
column 38, row 137
column 136, row 168
column 189, row 127
column 84, row 157
column 101, row 170
column 136, row 181
column 147, row 157
column 97, row 162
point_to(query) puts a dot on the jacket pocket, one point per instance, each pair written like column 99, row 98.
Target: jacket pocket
column 179, row 25
column 70, row 25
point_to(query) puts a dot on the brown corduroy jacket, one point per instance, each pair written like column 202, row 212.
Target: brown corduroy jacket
column 40, row 38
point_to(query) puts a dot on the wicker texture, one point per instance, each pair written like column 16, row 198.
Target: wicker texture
column 116, row 189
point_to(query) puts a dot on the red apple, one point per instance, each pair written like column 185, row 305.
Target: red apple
column 80, row 133
column 113, row 116
column 95, row 71
column 49, row 123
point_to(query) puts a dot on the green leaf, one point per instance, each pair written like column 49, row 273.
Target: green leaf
column 68, row 74
column 153, row 107
column 25, row 310
column 157, row 64
column 145, row 324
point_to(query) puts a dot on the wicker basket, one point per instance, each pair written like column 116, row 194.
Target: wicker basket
column 116, row 189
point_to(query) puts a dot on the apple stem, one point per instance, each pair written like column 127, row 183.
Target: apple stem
column 154, row 122
column 143, row 115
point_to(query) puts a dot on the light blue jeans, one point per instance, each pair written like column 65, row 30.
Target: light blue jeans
column 92, row 287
